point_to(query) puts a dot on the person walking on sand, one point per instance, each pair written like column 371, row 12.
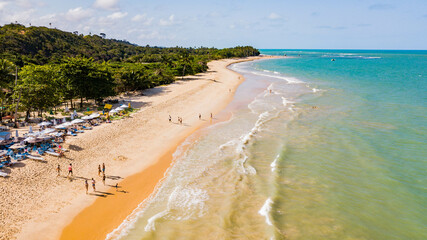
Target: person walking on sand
column 211, row 116
column 93, row 185
column 103, row 179
column 200, row 116
column 58, row 169
column 70, row 170
column 170, row 118
column 86, row 185
column 103, row 168
column 99, row 170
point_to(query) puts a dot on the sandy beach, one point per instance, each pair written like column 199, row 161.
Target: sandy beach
column 36, row 204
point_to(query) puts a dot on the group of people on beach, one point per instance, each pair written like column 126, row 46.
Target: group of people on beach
column 180, row 118
column 100, row 170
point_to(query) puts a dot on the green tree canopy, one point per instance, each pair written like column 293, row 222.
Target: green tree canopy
column 38, row 87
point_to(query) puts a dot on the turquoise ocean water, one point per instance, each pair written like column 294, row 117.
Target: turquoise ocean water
column 315, row 149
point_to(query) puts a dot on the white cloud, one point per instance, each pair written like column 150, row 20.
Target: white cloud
column 274, row 16
column 107, row 4
column 77, row 14
column 20, row 16
column 48, row 17
column 155, row 35
column 3, row 5
column 117, row 15
column 142, row 18
column 167, row 22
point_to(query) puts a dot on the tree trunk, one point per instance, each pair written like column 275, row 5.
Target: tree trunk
column 81, row 103
column 183, row 72
column 17, row 104
column 1, row 119
column 27, row 115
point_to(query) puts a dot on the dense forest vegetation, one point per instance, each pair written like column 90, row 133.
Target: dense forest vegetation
column 54, row 66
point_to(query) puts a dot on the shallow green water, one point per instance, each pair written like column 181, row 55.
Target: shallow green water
column 315, row 149
column 356, row 166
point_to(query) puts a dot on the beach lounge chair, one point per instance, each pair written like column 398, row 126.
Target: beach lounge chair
column 87, row 128
column 71, row 133
column 52, row 153
column 39, row 158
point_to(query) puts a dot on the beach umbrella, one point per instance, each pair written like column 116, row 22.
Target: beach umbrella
column 16, row 146
column 95, row 115
column 60, row 126
column 124, row 106
column 29, row 139
column 87, row 117
column 66, row 124
column 44, row 137
column 76, row 121
column 44, row 124
column 47, row 131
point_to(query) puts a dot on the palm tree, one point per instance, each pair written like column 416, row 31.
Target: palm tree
column 185, row 60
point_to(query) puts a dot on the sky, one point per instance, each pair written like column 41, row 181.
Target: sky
column 280, row 24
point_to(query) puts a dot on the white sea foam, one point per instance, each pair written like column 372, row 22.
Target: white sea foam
column 286, row 101
column 265, row 211
column 184, row 203
column 273, row 165
column 287, row 79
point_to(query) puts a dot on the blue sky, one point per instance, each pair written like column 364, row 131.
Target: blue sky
column 336, row 24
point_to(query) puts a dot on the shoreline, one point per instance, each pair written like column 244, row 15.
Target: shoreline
column 91, row 223
column 124, row 147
